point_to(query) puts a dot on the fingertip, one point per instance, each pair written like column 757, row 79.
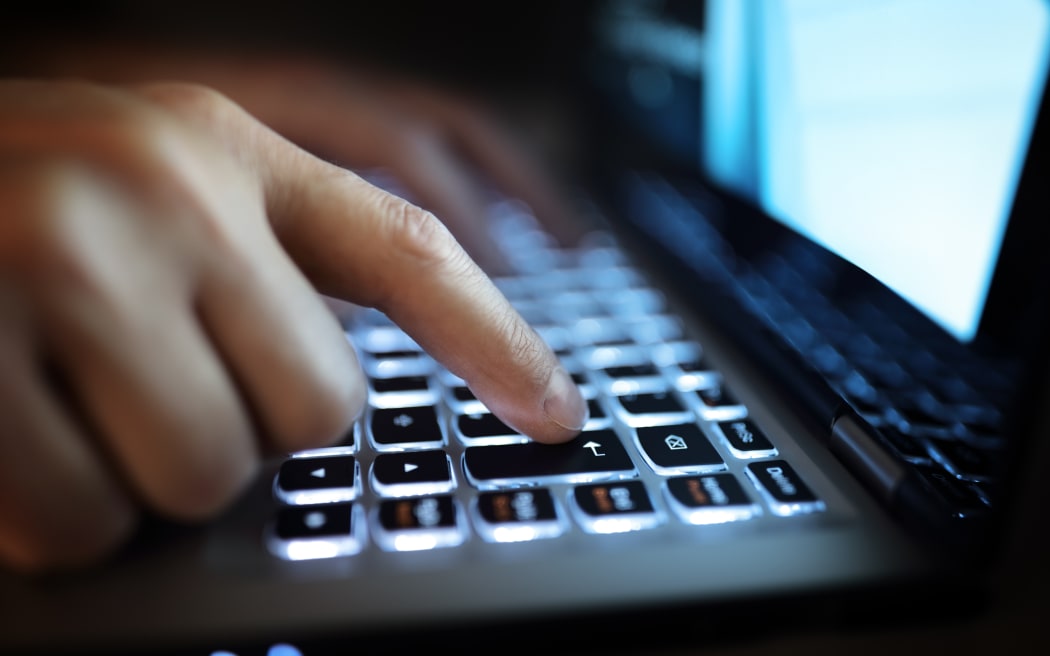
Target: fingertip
column 564, row 407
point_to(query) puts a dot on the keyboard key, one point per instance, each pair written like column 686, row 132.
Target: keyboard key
column 650, row 403
column 678, row 449
column 413, row 426
column 717, row 403
column 412, row 473
column 614, row 507
column 597, row 412
column 311, row 532
column 518, row 515
column 400, row 391
column 783, row 487
column 418, row 524
column 591, row 456
column 311, row 480
column 400, row 384
column 746, row 440
column 710, row 499
column 485, row 428
column 631, row 371
column 463, row 394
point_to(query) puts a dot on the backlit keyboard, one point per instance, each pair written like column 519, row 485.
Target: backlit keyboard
column 428, row 466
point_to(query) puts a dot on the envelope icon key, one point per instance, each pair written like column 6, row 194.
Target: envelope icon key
column 675, row 443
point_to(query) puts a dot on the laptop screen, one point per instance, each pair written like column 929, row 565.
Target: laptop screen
column 893, row 133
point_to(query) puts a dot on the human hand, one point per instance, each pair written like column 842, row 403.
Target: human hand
column 159, row 257
column 432, row 140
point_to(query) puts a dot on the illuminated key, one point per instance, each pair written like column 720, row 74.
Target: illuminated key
column 591, row 456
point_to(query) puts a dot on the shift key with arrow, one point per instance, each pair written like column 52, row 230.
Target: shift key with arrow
column 592, row 456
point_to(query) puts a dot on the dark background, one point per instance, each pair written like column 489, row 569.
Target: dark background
column 463, row 41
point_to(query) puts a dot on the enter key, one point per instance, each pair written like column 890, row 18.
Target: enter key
column 591, row 456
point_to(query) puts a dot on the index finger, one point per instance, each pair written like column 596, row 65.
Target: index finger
column 356, row 242
column 359, row 243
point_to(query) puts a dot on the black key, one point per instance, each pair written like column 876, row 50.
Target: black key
column 615, row 507
column 592, row 454
column 316, row 473
column 916, row 413
column 532, row 510
column 716, row 397
column 411, row 472
column 417, row 513
column 707, row 491
column 395, row 354
column 405, row 425
column 305, row 522
column 418, row 523
column 784, row 485
column 463, row 393
column 695, row 366
column 597, row 412
column 632, row 371
column 483, row 424
column 745, row 436
column 710, row 491
column 681, row 447
column 400, row 384
column 604, row 499
column 517, row 506
column 650, row 403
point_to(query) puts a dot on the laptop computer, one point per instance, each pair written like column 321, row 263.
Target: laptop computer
column 812, row 331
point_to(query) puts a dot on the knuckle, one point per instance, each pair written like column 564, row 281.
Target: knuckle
column 188, row 99
column 43, row 242
column 415, row 235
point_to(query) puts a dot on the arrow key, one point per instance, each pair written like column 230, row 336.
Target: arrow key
column 317, row 479
column 592, row 456
column 412, row 473
column 393, row 428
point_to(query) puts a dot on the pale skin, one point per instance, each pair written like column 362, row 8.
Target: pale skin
column 161, row 331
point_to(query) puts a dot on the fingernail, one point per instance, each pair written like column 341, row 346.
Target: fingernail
column 564, row 405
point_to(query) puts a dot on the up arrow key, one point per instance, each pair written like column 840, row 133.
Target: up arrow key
column 593, row 446
column 590, row 456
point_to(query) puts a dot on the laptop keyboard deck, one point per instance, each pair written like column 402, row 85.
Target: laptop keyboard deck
column 428, row 466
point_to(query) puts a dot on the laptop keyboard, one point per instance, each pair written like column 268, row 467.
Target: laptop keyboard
column 935, row 404
column 428, row 466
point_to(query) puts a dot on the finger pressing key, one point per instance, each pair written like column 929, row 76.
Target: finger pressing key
column 359, row 243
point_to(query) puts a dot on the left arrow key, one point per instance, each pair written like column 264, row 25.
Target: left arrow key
column 317, row 479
